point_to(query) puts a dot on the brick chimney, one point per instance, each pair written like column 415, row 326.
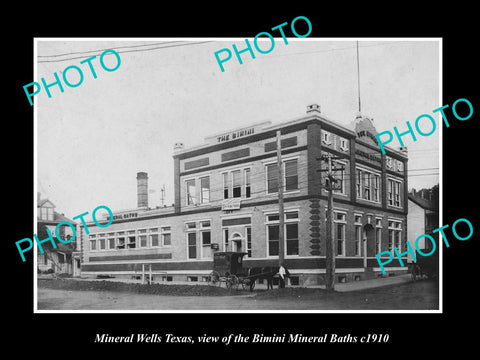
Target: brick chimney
column 313, row 108
column 142, row 189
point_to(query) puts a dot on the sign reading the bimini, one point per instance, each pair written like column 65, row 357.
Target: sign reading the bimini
column 235, row 135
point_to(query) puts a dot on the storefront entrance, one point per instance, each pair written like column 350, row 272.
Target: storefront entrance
column 236, row 241
column 237, row 234
column 368, row 243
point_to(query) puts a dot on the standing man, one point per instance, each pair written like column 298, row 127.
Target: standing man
column 283, row 272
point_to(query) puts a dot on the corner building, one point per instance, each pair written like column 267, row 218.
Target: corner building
column 226, row 199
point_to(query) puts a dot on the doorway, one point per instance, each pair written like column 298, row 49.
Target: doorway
column 368, row 243
column 76, row 266
column 236, row 240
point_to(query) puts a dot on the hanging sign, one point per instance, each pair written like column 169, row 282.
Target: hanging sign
column 231, row 204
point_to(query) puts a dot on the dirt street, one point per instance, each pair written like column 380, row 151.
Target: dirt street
column 422, row 295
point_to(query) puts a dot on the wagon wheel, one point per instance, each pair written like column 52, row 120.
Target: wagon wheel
column 228, row 284
column 226, row 278
column 232, row 282
column 246, row 283
column 214, row 278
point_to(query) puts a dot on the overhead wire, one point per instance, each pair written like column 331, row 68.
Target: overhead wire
column 218, row 186
column 260, row 176
column 111, row 48
column 128, row 51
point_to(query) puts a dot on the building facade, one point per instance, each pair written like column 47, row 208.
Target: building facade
column 58, row 260
column 226, row 199
column 423, row 218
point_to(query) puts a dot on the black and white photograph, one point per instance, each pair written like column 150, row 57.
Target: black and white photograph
column 225, row 181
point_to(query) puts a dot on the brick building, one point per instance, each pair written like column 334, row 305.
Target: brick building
column 226, row 199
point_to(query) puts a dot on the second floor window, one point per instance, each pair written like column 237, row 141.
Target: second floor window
column 46, row 213
column 394, row 188
column 339, row 175
column 367, row 185
column 290, row 172
column 291, row 175
column 191, row 192
column 204, row 190
column 272, row 178
column 236, row 184
column 202, row 196
column 166, row 236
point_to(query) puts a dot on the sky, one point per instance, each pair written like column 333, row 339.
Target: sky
column 91, row 140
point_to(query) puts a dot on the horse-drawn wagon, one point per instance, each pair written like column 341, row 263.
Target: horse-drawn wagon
column 228, row 268
column 425, row 266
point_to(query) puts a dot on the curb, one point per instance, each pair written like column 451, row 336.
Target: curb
column 374, row 283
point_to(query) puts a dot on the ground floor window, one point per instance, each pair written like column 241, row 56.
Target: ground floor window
column 340, row 238
column 143, row 240
column 292, row 239
column 131, row 244
column 294, row 280
column 166, row 236
column 273, row 236
column 378, row 236
column 225, row 239
column 394, row 235
column 133, row 239
column 358, row 234
column 358, row 239
column 249, row 241
column 290, row 231
column 339, row 219
column 206, row 244
column 192, row 245
column 378, row 240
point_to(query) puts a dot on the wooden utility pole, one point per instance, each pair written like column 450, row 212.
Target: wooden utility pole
column 281, row 215
column 329, row 244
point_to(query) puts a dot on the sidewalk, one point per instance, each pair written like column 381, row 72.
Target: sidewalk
column 340, row 287
column 373, row 283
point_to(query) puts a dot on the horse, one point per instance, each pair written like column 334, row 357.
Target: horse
column 266, row 273
column 416, row 271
